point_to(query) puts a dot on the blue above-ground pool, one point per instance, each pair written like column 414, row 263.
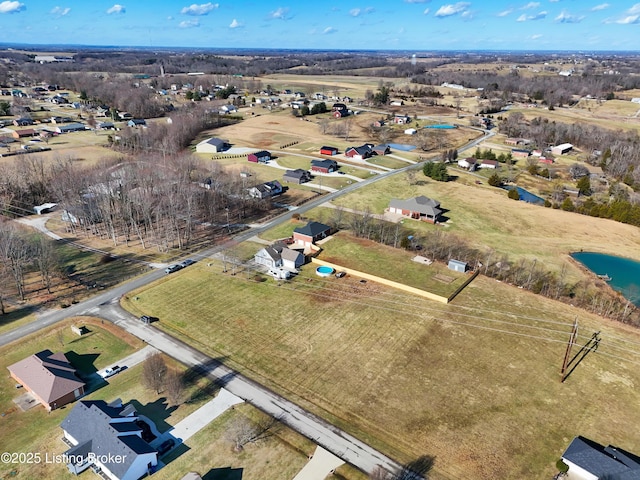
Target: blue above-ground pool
column 324, row 271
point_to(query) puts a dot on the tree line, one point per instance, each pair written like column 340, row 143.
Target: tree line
column 526, row 273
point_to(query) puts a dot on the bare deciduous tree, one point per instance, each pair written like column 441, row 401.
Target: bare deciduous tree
column 154, row 369
column 174, row 387
column 244, row 431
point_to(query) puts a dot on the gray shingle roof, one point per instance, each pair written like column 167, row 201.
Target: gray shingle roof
column 421, row 204
column 101, row 425
column 598, row 460
column 313, row 229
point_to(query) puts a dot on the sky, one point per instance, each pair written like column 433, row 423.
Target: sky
column 420, row 25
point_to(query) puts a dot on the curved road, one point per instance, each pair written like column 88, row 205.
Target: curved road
column 106, row 305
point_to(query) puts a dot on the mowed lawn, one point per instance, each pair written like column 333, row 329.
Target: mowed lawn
column 487, row 218
column 474, row 383
column 391, row 263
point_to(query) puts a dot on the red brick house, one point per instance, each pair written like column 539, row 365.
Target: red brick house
column 49, row 377
column 419, row 208
column 27, row 132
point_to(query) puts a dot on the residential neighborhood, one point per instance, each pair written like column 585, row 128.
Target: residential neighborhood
column 264, row 263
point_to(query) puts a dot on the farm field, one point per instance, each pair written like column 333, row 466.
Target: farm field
column 487, row 216
column 413, row 377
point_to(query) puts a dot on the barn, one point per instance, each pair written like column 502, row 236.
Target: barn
column 211, row 145
column 328, row 151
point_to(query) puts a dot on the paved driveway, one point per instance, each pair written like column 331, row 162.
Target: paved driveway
column 322, row 463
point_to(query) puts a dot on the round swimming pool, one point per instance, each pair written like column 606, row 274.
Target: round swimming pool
column 324, row 271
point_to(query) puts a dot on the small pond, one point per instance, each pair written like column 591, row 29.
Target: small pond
column 526, row 196
column 623, row 274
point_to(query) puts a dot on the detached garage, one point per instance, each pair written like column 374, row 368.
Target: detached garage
column 328, row 151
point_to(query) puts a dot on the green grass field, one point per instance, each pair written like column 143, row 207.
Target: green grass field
column 412, row 377
column 390, row 263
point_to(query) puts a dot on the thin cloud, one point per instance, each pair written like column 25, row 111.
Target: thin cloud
column 602, row 6
column 12, row 7
column 282, row 13
column 536, row 36
column 629, row 20
column 634, row 10
column 202, row 9
column 417, row 1
column 504, row 13
column 236, row 24
column 452, row 9
column 329, row 30
column 189, row 24
column 117, row 9
column 426, row 11
column 566, row 17
column 60, row 12
column 531, row 5
column 537, row 16
column 356, row 12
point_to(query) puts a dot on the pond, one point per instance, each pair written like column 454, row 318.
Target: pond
column 623, row 274
column 526, row 196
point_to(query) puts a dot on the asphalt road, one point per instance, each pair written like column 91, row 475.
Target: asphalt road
column 106, row 305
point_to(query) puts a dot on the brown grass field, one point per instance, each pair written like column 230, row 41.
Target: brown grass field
column 474, row 383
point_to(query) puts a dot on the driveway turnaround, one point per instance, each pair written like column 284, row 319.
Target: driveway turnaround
column 322, row 463
column 132, row 360
column 199, row 419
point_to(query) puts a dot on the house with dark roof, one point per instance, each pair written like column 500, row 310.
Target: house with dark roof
column 324, row 166
column 311, row 233
column 279, row 255
column 419, row 208
column 382, row 149
column 107, row 436
column 265, row 190
column 297, row 176
column 211, row 145
column 359, row 153
column 588, row 460
column 137, row 122
column 72, row 127
column 520, row 152
column 49, row 377
column 259, row 157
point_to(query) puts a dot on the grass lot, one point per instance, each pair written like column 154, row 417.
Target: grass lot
column 293, row 162
column 284, row 230
column 469, row 382
column 390, row 263
column 278, row 457
column 487, row 216
column 388, row 162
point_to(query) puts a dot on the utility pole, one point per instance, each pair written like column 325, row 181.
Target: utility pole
column 570, row 344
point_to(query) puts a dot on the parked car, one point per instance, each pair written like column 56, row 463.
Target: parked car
column 187, row 262
column 172, row 268
column 110, row 372
column 166, row 446
column 341, row 274
column 148, row 319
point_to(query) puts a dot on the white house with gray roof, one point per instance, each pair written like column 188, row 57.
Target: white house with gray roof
column 105, row 436
column 588, row 460
column 279, row 255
